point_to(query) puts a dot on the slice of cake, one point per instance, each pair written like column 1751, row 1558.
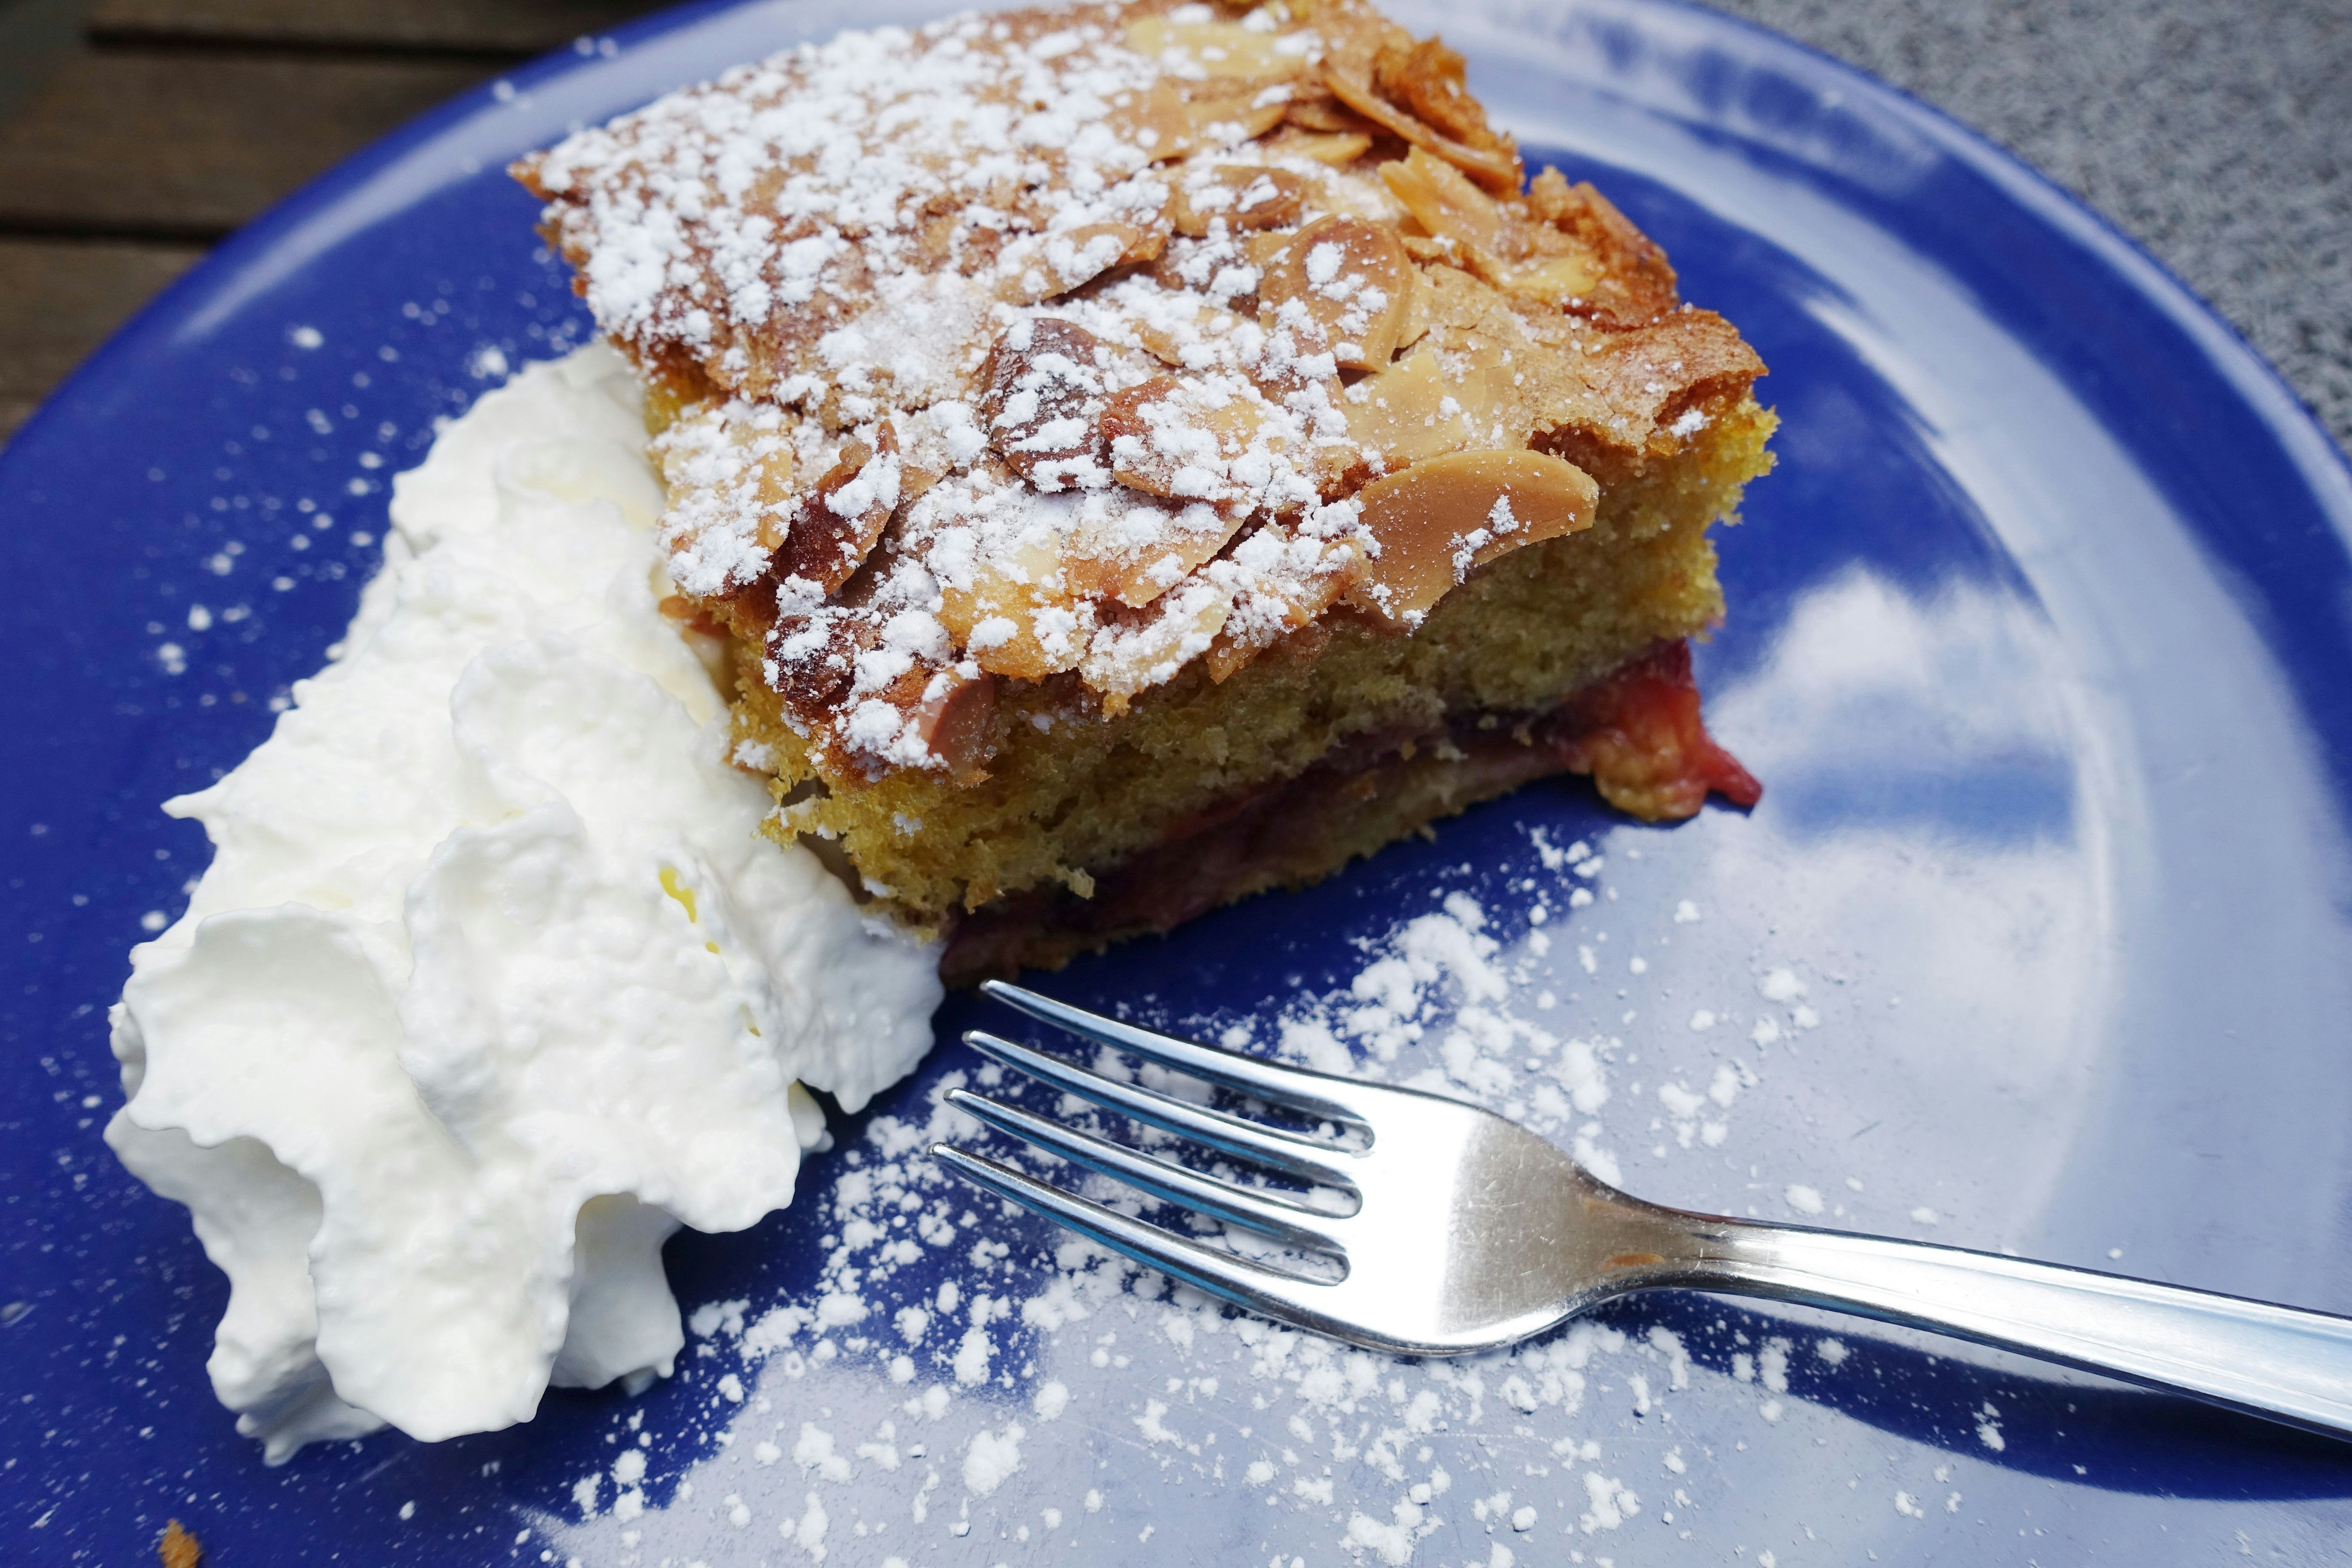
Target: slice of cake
column 1139, row 455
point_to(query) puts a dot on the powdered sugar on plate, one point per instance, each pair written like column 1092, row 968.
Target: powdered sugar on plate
column 994, row 1363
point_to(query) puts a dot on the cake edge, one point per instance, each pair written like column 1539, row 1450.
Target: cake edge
column 1637, row 732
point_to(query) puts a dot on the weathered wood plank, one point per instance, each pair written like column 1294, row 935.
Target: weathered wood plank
column 63, row 298
column 134, row 144
column 35, row 34
column 516, row 27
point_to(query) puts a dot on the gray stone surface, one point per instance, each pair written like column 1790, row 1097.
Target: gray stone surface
column 2218, row 134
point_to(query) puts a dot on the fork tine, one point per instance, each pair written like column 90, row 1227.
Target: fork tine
column 1265, row 1212
column 1243, row 1139
column 1245, row 1284
column 1315, row 1093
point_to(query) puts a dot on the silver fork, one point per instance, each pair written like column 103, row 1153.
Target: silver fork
column 1470, row 1233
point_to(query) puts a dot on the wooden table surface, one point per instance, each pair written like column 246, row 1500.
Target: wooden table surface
column 170, row 123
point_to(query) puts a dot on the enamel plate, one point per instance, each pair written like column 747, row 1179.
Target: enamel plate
column 2040, row 640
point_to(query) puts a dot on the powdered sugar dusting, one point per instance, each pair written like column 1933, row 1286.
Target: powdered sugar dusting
column 1036, row 326
column 837, row 234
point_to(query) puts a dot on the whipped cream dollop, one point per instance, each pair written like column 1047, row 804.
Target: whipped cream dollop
column 493, row 981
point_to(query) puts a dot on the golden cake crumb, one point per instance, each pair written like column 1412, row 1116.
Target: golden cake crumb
column 177, row 1547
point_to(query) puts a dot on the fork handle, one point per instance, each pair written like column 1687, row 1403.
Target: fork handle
column 2276, row 1361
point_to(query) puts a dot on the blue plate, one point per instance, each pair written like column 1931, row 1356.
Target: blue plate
column 2040, row 640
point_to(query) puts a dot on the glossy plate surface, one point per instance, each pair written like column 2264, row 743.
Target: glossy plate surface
column 2040, row 640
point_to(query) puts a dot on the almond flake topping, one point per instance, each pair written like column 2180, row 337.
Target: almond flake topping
column 1081, row 345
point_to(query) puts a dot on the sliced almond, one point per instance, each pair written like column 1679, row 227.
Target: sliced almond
column 1427, row 81
column 836, row 523
column 1448, row 206
column 1136, row 553
column 742, row 449
column 1344, row 287
column 1413, row 411
column 1218, row 49
column 771, row 483
column 1633, row 283
column 1497, row 242
column 1325, row 114
column 1338, row 149
column 1041, row 391
column 1071, row 258
column 1263, row 250
column 1225, row 121
column 1018, row 616
column 1419, row 311
column 1290, row 609
column 1241, row 197
column 1192, row 348
column 1494, row 170
column 1171, row 437
column 1555, row 281
column 957, row 724
column 1126, row 658
column 1441, row 518
column 1156, row 120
